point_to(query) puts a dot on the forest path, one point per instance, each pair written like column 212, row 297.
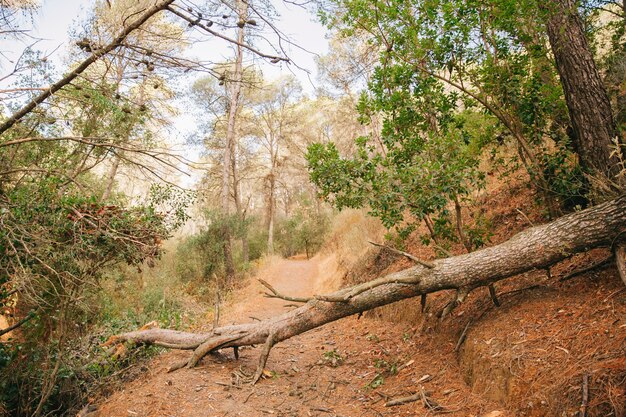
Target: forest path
column 293, row 277
column 341, row 369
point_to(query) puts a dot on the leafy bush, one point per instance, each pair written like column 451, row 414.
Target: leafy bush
column 303, row 232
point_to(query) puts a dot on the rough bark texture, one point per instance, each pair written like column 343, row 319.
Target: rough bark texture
column 271, row 209
column 587, row 99
column 535, row 248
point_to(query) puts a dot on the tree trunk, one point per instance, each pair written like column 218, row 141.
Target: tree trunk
column 271, row 208
column 586, row 97
column 111, row 179
column 535, row 248
column 235, row 90
column 241, row 213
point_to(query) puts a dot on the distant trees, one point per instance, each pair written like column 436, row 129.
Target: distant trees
column 275, row 123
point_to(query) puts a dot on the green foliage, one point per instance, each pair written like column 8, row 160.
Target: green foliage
column 333, row 358
column 456, row 78
column 413, row 168
column 378, row 381
column 55, row 248
column 303, row 232
column 453, row 77
column 201, row 256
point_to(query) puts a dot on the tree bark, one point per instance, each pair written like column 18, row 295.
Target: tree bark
column 534, row 248
column 586, row 97
column 241, row 212
column 234, row 84
column 271, row 211
column 111, row 179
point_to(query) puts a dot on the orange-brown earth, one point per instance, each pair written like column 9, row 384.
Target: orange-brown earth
column 528, row 357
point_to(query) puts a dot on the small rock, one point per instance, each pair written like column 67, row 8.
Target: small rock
column 495, row 413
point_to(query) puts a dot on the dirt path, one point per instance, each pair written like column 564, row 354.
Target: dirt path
column 342, row 369
column 293, row 277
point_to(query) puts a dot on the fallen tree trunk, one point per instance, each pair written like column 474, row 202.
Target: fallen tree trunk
column 535, row 248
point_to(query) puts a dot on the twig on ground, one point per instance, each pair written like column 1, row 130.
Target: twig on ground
column 462, row 337
column 585, row 399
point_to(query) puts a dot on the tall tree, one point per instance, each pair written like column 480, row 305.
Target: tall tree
column 595, row 133
column 275, row 119
column 234, row 84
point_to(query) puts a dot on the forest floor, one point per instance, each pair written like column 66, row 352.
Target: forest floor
column 347, row 368
column 549, row 343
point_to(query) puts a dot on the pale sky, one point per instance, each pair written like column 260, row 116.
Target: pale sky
column 54, row 20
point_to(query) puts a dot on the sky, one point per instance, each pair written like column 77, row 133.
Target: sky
column 54, row 20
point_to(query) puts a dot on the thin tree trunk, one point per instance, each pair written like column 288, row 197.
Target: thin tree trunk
column 459, row 225
column 235, row 90
column 535, row 248
column 271, row 208
column 241, row 213
column 111, row 179
column 586, row 97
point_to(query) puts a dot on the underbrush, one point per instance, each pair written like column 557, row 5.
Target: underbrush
column 69, row 367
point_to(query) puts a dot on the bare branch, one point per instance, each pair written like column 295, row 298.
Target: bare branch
column 97, row 54
column 276, row 294
column 18, row 324
column 204, row 27
column 415, row 259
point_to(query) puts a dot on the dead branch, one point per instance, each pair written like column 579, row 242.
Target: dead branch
column 269, row 343
column 17, row 324
column 415, row 259
column 585, row 395
column 462, row 337
column 404, row 400
column 195, row 22
column 494, row 296
column 534, row 248
column 600, row 264
column 276, row 294
column 361, row 288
